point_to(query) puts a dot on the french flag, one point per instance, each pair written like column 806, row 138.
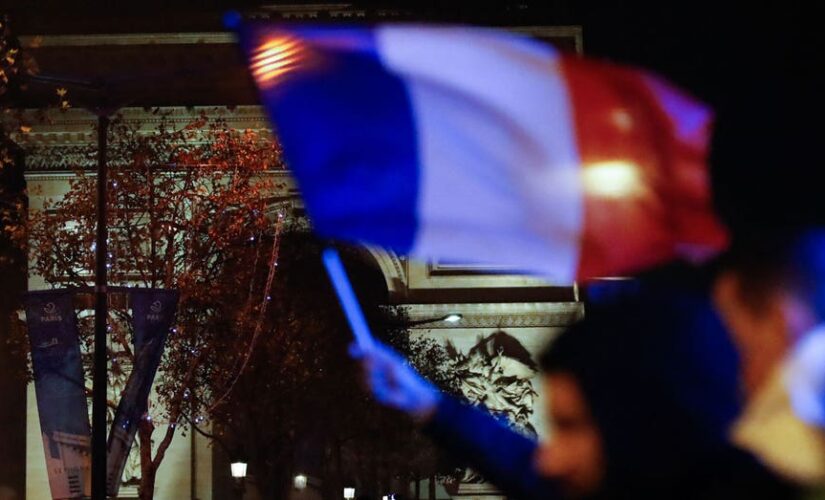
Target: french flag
column 479, row 146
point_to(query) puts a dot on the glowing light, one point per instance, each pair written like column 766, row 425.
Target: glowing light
column 299, row 482
column 612, row 179
column 453, row 318
column 349, row 492
column 238, row 469
column 274, row 58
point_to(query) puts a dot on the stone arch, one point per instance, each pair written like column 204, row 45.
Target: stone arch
column 392, row 268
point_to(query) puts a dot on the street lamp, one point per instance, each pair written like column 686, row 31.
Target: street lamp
column 238, row 470
column 447, row 318
column 299, row 482
column 349, row 493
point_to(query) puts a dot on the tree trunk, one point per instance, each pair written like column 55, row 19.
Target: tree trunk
column 431, row 488
column 148, row 465
column 146, row 489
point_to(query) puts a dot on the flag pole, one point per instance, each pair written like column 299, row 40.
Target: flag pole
column 349, row 302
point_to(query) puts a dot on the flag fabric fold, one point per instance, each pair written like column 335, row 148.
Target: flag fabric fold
column 480, row 146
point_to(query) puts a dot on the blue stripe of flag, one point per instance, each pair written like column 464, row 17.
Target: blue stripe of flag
column 350, row 111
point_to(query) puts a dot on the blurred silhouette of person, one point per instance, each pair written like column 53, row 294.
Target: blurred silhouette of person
column 642, row 393
column 771, row 295
column 762, row 74
column 765, row 296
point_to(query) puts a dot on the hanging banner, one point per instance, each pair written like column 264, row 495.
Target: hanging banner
column 60, row 389
column 152, row 314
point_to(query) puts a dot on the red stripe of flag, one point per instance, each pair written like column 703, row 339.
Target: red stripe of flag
column 643, row 149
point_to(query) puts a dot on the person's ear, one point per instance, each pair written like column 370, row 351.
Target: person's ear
column 752, row 315
column 758, row 326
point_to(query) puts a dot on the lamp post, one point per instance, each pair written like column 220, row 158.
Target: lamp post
column 100, row 373
column 238, row 471
column 101, row 105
